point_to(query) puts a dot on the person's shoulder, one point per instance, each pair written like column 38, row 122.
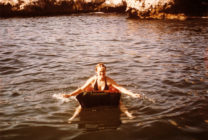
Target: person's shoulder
column 110, row 79
column 89, row 82
column 91, row 79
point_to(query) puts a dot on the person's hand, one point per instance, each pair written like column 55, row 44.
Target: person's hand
column 66, row 95
column 136, row 96
column 143, row 97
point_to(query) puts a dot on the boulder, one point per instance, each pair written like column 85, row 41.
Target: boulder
column 166, row 9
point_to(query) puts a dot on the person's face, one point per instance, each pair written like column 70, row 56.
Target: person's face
column 101, row 72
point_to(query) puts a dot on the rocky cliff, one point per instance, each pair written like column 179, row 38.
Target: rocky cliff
column 149, row 9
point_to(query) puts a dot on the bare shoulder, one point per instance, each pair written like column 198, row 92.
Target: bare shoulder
column 110, row 80
column 89, row 82
column 91, row 79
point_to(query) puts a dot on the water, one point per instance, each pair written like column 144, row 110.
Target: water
column 166, row 60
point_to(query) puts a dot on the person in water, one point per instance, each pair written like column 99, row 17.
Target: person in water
column 101, row 83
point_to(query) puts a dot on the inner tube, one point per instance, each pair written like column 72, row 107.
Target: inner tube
column 93, row 99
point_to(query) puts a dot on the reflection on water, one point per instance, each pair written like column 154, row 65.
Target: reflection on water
column 44, row 56
column 99, row 118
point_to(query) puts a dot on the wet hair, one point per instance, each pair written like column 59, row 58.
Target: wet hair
column 100, row 65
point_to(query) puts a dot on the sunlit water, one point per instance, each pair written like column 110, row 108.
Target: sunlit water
column 44, row 56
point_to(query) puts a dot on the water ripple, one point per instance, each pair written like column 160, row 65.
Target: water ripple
column 164, row 60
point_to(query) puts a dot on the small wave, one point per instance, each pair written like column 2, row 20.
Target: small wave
column 15, row 93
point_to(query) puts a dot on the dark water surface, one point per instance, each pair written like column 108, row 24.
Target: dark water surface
column 164, row 59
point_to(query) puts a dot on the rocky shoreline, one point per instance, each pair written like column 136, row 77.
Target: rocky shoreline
column 141, row 9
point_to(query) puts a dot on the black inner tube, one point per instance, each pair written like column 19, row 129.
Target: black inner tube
column 93, row 99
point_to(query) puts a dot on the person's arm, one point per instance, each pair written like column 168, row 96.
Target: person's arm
column 74, row 93
column 122, row 89
column 127, row 92
column 81, row 89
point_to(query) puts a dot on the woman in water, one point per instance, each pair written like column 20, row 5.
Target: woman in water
column 101, row 83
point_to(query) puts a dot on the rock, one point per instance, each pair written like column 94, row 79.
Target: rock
column 113, row 6
column 46, row 7
column 143, row 9
column 166, row 9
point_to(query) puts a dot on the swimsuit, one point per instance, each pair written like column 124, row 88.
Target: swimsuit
column 96, row 85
